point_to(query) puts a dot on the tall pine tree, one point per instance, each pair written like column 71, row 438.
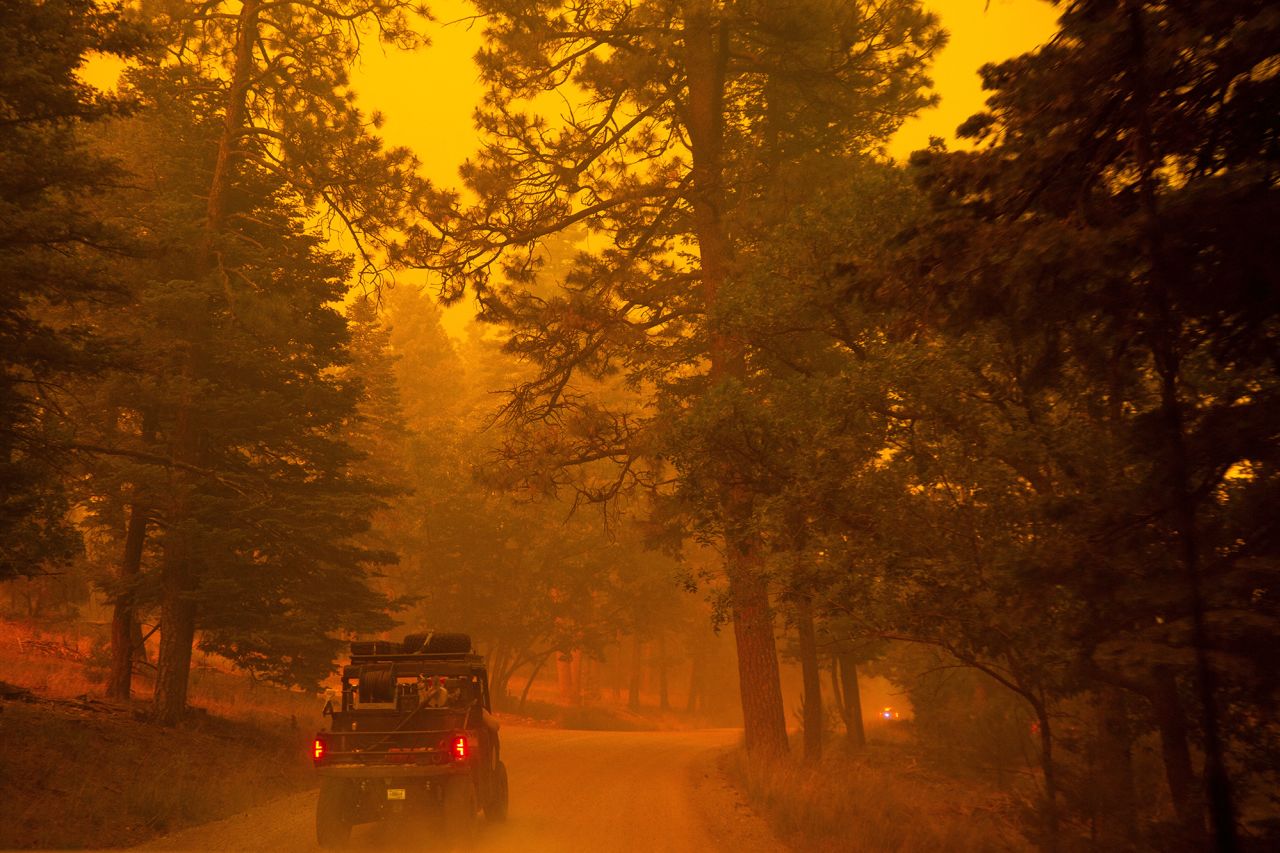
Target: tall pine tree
column 52, row 256
column 674, row 112
column 1113, row 228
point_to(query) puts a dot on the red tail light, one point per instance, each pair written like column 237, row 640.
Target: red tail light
column 317, row 749
column 459, row 750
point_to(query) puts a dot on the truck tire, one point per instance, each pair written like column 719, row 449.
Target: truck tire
column 496, row 811
column 449, row 644
column 460, row 824
column 414, row 643
column 333, row 813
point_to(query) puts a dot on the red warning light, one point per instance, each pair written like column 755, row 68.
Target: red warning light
column 317, row 749
column 459, row 746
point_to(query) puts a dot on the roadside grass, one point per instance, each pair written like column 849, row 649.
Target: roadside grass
column 878, row 800
column 59, row 666
column 80, row 772
column 88, row 774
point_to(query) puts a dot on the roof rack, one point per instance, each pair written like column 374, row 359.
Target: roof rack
column 388, row 657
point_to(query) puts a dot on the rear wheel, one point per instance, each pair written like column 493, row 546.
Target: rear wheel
column 333, row 812
column 460, row 807
column 496, row 810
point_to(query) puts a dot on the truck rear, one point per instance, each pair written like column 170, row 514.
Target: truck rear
column 411, row 733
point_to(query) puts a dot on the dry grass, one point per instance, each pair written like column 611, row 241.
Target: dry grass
column 65, row 666
column 81, row 772
column 879, row 801
column 89, row 774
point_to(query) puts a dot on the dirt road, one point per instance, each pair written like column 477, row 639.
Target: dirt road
column 570, row 792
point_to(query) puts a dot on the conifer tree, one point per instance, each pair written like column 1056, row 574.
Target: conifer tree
column 674, row 112
column 275, row 76
column 269, row 498
column 1111, row 234
column 52, row 257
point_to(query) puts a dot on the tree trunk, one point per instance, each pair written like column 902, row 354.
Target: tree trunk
column 1171, row 720
column 637, row 674
column 178, row 580
column 124, row 621
column 812, row 677
column 695, row 680
column 1047, row 768
column 139, row 641
column 664, row 698
column 177, row 602
column 706, row 54
column 537, row 667
column 1113, row 791
column 232, row 125
column 1166, row 353
column 569, row 676
column 852, row 700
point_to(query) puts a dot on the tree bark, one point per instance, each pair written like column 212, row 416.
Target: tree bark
column 139, row 640
column 569, row 676
column 177, row 635
column 695, row 681
column 178, row 576
column 1048, row 769
column 537, row 667
column 664, row 697
column 1171, row 720
column 1166, row 353
column 706, row 54
column 177, row 581
column 637, row 674
column 812, row 677
column 124, row 620
column 852, row 700
column 1113, row 790
column 232, row 125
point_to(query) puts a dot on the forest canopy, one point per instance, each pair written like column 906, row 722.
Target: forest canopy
column 1008, row 409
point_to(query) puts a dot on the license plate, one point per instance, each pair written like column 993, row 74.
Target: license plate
column 395, row 793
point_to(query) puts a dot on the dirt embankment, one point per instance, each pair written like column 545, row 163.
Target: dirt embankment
column 78, row 773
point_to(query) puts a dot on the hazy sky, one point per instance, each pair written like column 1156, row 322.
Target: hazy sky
column 428, row 96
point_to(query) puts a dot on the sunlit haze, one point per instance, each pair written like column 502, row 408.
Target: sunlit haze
column 787, row 473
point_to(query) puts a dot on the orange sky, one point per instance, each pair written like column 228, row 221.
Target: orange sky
column 427, row 96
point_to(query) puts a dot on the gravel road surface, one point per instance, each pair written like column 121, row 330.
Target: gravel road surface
column 571, row 792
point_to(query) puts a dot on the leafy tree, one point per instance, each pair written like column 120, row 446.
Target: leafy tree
column 52, row 256
column 675, row 114
column 1104, row 253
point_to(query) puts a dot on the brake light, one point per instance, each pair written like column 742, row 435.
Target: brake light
column 459, row 747
column 317, row 749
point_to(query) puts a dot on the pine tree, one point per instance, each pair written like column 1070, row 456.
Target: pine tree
column 672, row 107
column 1111, row 236
column 275, row 75
column 52, row 257
column 250, row 367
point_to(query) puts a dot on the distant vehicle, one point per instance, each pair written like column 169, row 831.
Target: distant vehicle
column 891, row 714
column 413, row 733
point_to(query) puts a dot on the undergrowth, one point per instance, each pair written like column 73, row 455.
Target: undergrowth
column 77, row 771
column 875, row 801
